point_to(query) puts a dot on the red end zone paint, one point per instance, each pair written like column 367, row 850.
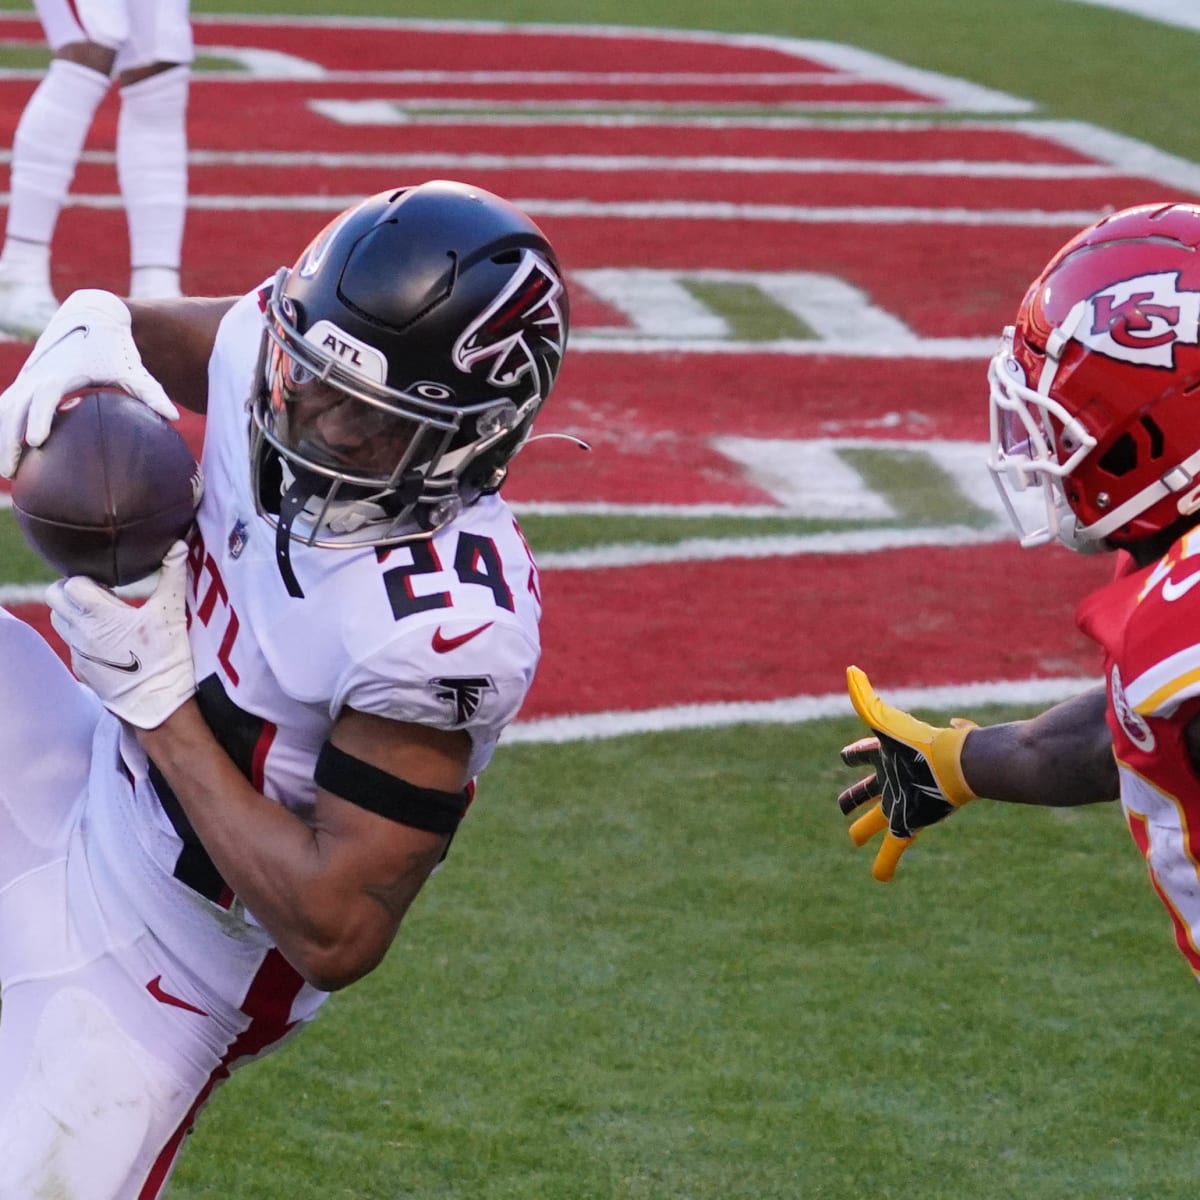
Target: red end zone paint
column 694, row 633
column 705, row 632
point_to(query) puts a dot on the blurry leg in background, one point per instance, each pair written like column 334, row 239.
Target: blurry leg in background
column 46, row 148
column 152, row 172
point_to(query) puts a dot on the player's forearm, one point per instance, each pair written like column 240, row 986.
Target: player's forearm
column 276, row 863
column 1059, row 759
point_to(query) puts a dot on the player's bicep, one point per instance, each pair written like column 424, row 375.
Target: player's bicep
column 391, row 795
column 175, row 340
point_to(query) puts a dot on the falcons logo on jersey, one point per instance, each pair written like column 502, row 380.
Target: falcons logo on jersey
column 466, row 693
column 527, row 314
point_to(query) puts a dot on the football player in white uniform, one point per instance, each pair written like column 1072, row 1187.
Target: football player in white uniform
column 146, row 47
column 273, row 751
column 1094, row 396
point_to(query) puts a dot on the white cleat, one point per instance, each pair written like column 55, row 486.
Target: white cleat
column 25, row 308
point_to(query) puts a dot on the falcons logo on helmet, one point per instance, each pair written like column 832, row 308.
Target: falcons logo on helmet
column 522, row 325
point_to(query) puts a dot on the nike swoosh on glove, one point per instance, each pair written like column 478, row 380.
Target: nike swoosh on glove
column 917, row 778
column 136, row 658
column 88, row 341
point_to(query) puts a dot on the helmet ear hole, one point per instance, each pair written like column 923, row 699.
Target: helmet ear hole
column 1120, row 458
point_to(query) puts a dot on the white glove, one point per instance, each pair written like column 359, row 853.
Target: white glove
column 136, row 659
column 88, row 341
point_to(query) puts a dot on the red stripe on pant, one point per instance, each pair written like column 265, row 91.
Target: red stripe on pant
column 268, row 1004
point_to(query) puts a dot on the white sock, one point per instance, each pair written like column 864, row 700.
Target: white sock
column 46, row 148
column 152, row 172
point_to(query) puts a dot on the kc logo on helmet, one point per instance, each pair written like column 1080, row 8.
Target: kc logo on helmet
column 1140, row 320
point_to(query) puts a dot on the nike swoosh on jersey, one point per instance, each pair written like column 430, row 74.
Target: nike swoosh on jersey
column 443, row 645
column 130, row 668
column 1173, row 591
column 155, row 988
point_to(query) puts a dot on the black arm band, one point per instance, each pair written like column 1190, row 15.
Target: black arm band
column 388, row 795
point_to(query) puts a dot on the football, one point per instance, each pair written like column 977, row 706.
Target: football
column 108, row 491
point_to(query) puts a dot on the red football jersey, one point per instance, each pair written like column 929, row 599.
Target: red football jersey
column 1148, row 623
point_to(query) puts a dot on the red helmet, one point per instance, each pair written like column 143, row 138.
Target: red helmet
column 1095, row 392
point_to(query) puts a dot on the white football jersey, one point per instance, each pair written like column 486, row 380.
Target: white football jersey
column 442, row 632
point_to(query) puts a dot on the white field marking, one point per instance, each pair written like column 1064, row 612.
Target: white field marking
column 656, row 302
column 266, row 66
column 854, row 541
column 613, row 163
column 606, row 163
column 1182, row 13
column 659, row 303
column 703, row 210
column 758, row 120
column 811, row 480
column 605, row 508
column 260, row 64
column 572, row 79
column 335, row 109
column 663, row 210
column 938, row 349
column 634, row 554
column 808, row 478
column 1130, row 156
column 793, row 710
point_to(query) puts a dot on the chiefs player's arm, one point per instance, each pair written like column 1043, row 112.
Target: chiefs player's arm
column 175, row 340
column 1060, row 758
column 331, row 888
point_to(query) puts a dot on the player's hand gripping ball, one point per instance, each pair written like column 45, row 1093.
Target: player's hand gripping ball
column 109, row 491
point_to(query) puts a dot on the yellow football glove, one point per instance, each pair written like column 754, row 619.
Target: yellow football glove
column 918, row 777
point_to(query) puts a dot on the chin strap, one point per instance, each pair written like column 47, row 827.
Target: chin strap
column 291, row 505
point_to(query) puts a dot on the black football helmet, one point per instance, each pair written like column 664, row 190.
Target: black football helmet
column 404, row 358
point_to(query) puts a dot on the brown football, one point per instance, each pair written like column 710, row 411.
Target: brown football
column 110, row 489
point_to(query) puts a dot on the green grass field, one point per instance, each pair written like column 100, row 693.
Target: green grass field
column 654, row 968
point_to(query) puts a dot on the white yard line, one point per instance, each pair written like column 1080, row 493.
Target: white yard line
column 637, row 554
column 978, row 349
column 858, row 541
column 1184, row 14
column 614, row 163
column 959, row 698
column 660, row 210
